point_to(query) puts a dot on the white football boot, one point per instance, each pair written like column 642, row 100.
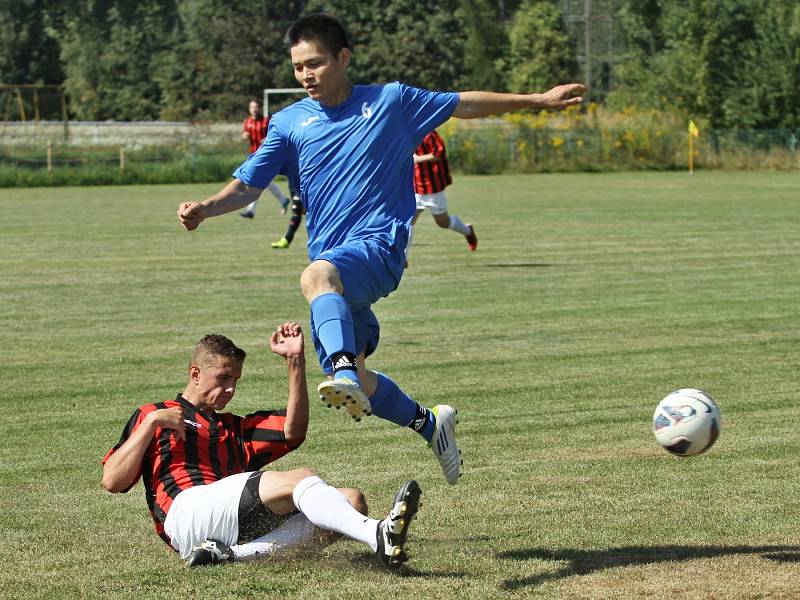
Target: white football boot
column 343, row 393
column 444, row 442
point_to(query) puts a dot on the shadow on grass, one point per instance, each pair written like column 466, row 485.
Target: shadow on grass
column 584, row 562
column 517, row 265
column 368, row 562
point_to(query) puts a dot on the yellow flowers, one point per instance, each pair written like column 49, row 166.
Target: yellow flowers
column 579, row 138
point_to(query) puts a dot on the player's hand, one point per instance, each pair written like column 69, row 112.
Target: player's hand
column 562, row 96
column 287, row 341
column 190, row 214
column 169, row 418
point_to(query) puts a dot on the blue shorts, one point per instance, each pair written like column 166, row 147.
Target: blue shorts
column 369, row 270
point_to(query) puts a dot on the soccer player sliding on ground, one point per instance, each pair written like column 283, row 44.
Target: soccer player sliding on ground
column 351, row 147
column 201, row 469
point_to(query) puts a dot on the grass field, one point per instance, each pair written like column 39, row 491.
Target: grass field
column 589, row 298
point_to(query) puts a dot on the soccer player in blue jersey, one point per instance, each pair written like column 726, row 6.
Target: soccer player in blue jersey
column 351, row 147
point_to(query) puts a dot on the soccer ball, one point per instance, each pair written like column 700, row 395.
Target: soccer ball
column 687, row 422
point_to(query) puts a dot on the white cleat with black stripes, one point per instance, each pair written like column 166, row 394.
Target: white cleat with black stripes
column 444, row 442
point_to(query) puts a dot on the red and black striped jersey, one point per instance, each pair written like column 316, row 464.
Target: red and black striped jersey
column 257, row 130
column 216, row 446
column 432, row 176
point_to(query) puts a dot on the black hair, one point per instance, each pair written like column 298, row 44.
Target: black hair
column 319, row 27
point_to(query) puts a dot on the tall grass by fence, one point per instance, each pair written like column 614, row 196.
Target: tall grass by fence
column 597, row 140
column 61, row 164
column 591, row 139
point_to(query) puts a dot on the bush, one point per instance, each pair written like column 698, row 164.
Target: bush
column 101, row 166
column 599, row 140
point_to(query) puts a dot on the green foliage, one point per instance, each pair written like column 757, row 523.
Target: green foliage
column 110, row 52
column 419, row 42
column 225, row 55
column 732, row 62
column 197, row 59
column 600, row 140
column 202, row 59
column 100, row 165
column 485, row 44
column 29, row 51
column 541, row 54
column 774, row 76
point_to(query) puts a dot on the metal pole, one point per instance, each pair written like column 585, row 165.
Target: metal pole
column 49, row 155
column 21, row 105
column 121, row 159
column 64, row 113
column 588, row 41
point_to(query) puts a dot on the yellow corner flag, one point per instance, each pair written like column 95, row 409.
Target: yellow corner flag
column 693, row 133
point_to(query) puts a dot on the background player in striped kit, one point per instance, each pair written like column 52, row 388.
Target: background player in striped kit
column 201, row 475
column 254, row 130
column 431, row 177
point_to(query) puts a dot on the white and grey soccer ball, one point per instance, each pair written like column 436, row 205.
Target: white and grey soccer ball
column 687, row 422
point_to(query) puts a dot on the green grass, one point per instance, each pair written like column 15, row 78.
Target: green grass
column 589, row 298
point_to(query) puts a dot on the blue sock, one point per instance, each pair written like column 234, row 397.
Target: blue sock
column 393, row 404
column 334, row 325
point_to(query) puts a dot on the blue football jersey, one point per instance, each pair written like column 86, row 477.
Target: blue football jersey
column 354, row 161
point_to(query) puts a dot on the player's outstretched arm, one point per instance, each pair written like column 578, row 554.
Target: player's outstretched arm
column 287, row 341
column 124, row 466
column 232, row 197
column 474, row 105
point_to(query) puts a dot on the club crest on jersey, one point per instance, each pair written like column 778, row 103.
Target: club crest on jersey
column 366, row 110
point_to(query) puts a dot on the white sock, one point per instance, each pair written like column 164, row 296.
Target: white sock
column 296, row 532
column 327, row 508
column 276, row 191
column 253, row 550
column 410, row 237
column 457, row 225
column 251, row 208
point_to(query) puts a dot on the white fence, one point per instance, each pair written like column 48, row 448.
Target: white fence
column 132, row 135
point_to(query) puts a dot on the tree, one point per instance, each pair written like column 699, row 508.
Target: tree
column 109, row 49
column 541, row 54
column 485, row 45
column 224, row 55
column 773, row 70
column 735, row 63
column 174, row 60
column 419, row 42
column 29, row 50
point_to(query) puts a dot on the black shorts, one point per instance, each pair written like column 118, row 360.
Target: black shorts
column 255, row 519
